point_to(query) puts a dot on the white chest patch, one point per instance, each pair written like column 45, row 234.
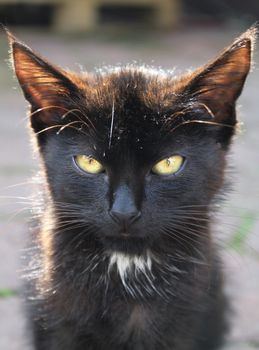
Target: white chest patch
column 127, row 265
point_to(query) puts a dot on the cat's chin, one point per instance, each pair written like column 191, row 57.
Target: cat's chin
column 127, row 245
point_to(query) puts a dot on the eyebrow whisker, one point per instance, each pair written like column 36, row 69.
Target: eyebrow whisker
column 112, row 121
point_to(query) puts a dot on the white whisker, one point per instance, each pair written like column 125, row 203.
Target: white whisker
column 112, row 122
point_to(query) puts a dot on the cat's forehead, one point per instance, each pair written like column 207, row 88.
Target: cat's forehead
column 132, row 103
column 134, row 87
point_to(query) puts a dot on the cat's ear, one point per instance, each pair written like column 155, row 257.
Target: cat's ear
column 47, row 88
column 219, row 83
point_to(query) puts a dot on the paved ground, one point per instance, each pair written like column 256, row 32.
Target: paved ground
column 239, row 222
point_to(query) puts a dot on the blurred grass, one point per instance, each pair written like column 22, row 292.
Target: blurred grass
column 239, row 238
column 254, row 344
column 7, row 293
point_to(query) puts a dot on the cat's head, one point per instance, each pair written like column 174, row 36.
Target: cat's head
column 134, row 156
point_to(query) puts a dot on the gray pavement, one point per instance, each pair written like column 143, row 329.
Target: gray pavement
column 236, row 228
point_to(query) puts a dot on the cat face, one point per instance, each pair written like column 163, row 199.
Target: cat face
column 133, row 156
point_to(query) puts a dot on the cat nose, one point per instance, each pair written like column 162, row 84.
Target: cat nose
column 124, row 210
column 125, row 218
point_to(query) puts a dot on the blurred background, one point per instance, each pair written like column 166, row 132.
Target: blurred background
column 83, row 34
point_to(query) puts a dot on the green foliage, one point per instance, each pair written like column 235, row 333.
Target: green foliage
column 7, row 293
column 240, row 235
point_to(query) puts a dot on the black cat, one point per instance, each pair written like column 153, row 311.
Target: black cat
column 132, row 161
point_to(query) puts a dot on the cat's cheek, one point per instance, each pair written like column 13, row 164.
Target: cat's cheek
column 106, row 178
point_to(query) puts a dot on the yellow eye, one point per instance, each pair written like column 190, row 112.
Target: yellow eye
column 88, row 164
column 168, row 166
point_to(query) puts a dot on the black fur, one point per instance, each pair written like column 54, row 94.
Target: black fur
column 129, row 119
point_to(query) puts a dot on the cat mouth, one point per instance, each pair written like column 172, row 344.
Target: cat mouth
column 125, row 243
column 125, row 235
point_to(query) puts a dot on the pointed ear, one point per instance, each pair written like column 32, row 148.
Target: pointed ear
column 47, row 88
column 219, row 83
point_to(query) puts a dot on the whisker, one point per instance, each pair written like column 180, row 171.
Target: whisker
column 49, row 128
column 207, row 122
column 42, row 109
column 111, row 128
column 71, row 111
column 68, row 125
column 78, row 116
column 182, row 235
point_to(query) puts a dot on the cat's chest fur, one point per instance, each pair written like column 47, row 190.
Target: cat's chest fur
column 133, row 314
column 128, row 322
